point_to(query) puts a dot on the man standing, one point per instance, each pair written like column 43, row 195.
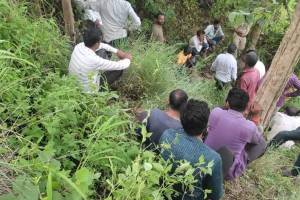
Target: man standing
column 115, row 15
column 214, row 33
column 199, row 42
column 186, row 144
column 240, row 37
column 157, row 28
column 230, row 129
column 225, row 67
column 85, row 64
column 250, row 78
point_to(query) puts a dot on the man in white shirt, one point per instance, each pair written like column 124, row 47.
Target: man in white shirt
column 115, row 15
column 260, row 66
column 85, row 64
column 89, row 13
column 199, row 42
column 225, row 67
column 214, row 33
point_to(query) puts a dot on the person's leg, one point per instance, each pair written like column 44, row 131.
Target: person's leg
column 217, row 39
column 219, row 84
column 284, row 136
column 227, row 159
column 254, row 151
column 296, row 168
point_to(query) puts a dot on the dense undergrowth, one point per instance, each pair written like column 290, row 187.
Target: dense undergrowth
column 57, row 143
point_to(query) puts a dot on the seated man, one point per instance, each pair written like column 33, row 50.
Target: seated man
column 85, row 64
column 199, row 43
column 250, row 78
column 225, row 67
column 186, row 144
column 186, row 58
column 159, row 120
column 293, row 83
column 214, row 33
column 230, row 129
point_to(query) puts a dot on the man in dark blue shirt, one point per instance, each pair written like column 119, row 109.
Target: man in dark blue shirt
column 186, row 144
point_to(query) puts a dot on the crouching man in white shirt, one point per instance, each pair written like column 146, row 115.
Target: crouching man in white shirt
column 85, row 64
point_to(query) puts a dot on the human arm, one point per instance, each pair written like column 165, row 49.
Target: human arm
column 136, row 21
column 121, row 54
column 108, row 65
column 296, row 84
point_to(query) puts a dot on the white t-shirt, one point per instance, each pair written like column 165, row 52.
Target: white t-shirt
column 115, row 15
column 85, row 65
column 225, row 67
column 195, row 43
column 261, row 68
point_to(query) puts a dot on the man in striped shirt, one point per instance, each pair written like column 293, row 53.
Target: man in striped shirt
column 85, row 64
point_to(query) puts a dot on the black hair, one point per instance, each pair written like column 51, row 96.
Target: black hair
column 159, row 14
column 231, row 48
column 216, row 21
column 194, row 117
column 200, row 32
column 187, row 50
column 177, row 98
column 91, row 36
column 251, row 59
column 237, row 99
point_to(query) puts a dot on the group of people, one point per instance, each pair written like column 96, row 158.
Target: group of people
column 188, row 130
column 201, row 43
column 230, row 135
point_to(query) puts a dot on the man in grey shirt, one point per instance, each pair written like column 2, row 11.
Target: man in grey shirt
column 159, row 120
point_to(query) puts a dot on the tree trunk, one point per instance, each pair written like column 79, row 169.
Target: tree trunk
column 281, row 69
column 69, row 19
column 254, row 36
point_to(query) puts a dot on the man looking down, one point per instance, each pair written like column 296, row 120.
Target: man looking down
column 85, row 64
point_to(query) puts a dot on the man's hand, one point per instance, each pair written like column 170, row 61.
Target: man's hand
column 122, row 55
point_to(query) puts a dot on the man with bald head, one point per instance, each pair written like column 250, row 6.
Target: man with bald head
column 159, row 121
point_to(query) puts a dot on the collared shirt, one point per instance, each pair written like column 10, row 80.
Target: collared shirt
column 229, row 128
column 211, row 33
column 225, row 67
column 85, row 65
column 181, row 58
column 115, row 14
column 190, row 149
column 293, row 82
column 249, row 82
column 196, row 43
column 158, row 33
column 261, row 68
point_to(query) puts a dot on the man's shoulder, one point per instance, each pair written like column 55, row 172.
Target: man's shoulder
column 156, row 112
column 217, row 110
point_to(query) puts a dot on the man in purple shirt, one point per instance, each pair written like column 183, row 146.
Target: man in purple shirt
column 230, row 129
column 294, row 83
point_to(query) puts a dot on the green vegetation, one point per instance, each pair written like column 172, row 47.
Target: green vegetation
column 57, row 143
